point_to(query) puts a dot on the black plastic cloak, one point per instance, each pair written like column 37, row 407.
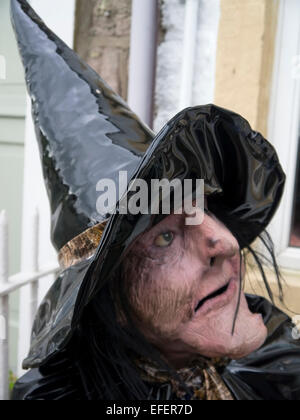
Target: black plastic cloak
column 270, row 373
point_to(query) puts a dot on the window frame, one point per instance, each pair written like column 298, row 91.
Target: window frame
column 284, row 123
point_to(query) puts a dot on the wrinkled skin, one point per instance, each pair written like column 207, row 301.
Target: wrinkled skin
column 169, row 269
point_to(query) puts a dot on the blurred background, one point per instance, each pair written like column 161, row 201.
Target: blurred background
column 160, row 56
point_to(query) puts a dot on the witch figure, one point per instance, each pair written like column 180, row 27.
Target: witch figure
column 148, row 307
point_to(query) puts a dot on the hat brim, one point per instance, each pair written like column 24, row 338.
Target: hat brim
column 244, row 182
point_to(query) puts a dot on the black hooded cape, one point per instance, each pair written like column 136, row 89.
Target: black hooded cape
column 270, row 373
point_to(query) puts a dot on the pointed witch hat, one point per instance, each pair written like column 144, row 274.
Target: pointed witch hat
column 86, row 133
column 84, row 129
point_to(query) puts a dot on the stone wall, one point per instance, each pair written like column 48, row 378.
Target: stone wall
column 102, row 39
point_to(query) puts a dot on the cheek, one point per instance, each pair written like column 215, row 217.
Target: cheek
column 162, row 295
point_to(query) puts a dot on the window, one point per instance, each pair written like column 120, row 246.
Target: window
column 295, row 231
column 284, row 123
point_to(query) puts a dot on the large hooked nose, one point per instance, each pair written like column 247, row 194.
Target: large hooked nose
column 214, row 241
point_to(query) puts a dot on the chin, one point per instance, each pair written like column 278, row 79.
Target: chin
column 235, row 347
column 250, row 333
column 213, row 337
column 253, row 342
column 248, row 337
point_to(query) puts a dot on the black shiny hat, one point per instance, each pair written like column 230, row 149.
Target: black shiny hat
column 86, row 133
column 84, row 130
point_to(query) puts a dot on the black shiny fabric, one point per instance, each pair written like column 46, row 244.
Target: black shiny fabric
column 86, row 133
column 271, row 373
column 194, row 144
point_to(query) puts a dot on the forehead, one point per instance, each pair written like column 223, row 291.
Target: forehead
column 180, row 218
column 162, row 224
column 168, row 222
column 175, row 218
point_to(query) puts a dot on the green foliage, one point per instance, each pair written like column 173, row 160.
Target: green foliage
column 12, row 380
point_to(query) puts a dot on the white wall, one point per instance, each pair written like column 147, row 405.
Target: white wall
column 170, row 53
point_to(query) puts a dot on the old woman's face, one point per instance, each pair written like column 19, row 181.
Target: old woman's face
column 183, row 284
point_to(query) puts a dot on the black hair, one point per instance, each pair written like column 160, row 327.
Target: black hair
column 107, row 349
column 262, row 259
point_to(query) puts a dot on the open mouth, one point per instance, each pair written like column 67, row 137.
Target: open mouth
column 213, row 295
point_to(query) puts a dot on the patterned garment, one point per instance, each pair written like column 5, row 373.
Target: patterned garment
column 201, row 378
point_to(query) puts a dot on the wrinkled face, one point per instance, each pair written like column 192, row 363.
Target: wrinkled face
column 183, row 283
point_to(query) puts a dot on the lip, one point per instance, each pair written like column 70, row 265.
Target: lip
column 219, row 301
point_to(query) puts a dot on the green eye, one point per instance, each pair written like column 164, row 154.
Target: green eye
column 164, row 240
